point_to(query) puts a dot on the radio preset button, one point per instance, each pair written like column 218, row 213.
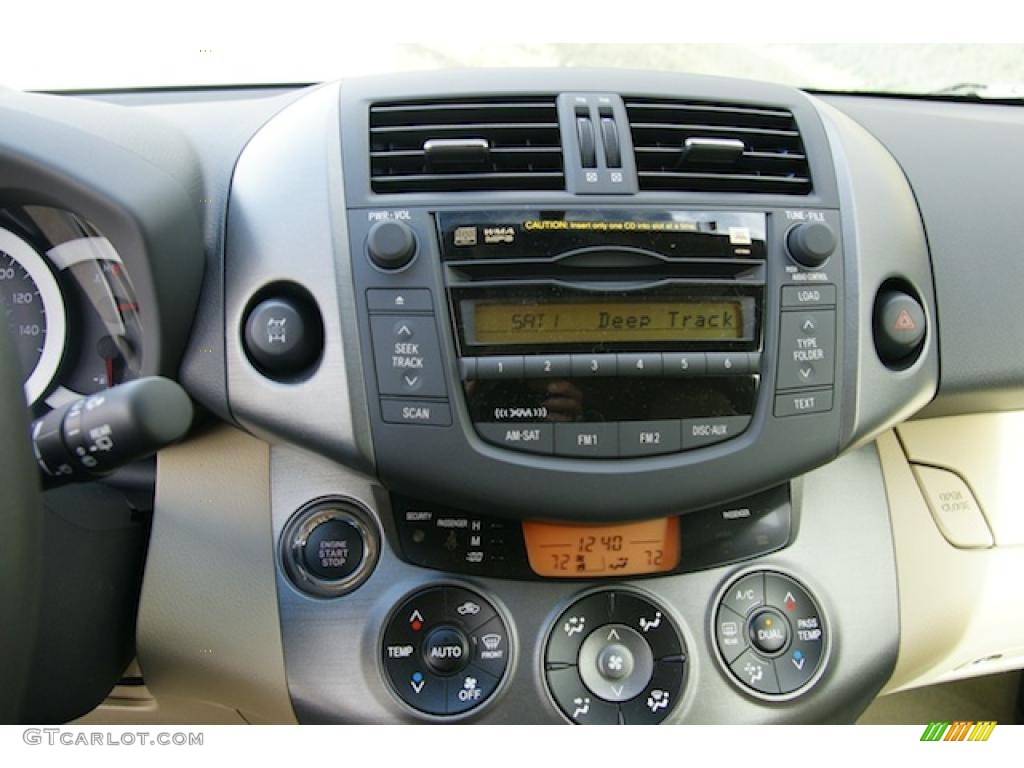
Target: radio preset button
column 644, row 364
column 507, row 367
column 547, row 367
column 647, row 438
column 698, row 433
column 596, row 440
column 728, row 364
column 594, row 365
column 684, row 363
column 529, row 437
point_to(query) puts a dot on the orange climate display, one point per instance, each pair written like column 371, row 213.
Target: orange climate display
column 573, row 551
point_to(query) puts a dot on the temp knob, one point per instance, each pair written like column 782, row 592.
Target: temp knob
column 391, row 244
column 810, row 244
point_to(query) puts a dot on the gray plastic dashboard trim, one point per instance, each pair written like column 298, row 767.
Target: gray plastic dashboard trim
column 885, row 240
column 843, row 554
column 286, row 223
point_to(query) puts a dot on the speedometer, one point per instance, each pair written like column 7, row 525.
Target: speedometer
column 34, row 309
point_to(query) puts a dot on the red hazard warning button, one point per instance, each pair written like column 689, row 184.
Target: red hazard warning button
column 900, row 326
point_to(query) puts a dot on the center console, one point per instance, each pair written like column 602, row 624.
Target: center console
column 581, row 427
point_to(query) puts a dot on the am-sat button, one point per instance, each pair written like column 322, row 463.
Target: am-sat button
column 533, row 438
column 416, row 412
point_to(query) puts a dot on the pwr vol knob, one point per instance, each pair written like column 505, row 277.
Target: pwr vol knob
column 391, row 244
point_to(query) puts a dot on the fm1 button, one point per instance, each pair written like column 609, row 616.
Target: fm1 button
column 769, row 631
column 446, row 650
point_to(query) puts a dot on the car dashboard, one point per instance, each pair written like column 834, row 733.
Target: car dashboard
column 522, row 396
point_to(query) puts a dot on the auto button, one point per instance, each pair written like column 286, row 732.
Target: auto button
column 446, row 650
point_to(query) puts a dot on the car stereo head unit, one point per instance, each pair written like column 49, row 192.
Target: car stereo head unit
column 598, row 334
column 597, row 363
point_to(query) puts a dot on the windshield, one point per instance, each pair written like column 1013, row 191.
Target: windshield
column 989, row 71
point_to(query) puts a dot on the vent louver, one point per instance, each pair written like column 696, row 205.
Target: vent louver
column 454, row 146
column 705, row 147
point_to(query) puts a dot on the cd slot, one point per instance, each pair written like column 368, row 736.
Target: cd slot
column 641, row 270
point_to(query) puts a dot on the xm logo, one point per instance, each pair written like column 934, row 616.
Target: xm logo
column 961, row 730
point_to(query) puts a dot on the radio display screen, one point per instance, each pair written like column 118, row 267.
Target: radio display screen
column 576, row 551
column 496, row 323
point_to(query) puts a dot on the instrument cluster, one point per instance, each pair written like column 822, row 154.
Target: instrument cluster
column 69, row 305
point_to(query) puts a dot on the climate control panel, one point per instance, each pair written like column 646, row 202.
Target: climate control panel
column 615, row 657
column 770, row 634
column 445, row 651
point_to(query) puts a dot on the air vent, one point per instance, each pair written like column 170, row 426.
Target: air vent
column 454, row 146
column 704, row 147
